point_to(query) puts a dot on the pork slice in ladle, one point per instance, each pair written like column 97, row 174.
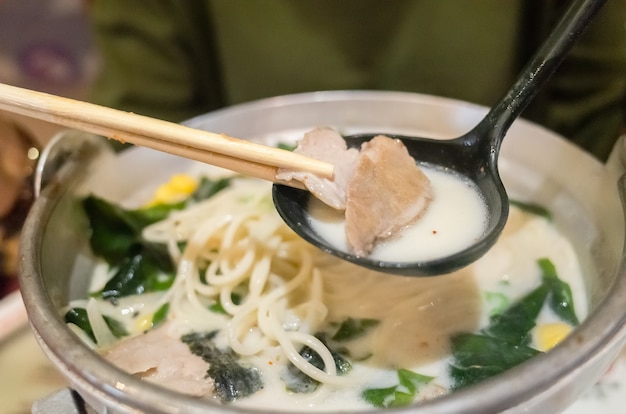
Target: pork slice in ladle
column 380, row 187
column 386, row 192
column 328, row 145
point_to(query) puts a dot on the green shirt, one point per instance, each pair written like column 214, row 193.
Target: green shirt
column 179, row 58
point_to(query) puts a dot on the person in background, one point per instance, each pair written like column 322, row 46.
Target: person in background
column 176, row 59
column 16, row 195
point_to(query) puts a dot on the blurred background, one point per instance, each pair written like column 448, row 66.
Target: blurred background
column 46, row 46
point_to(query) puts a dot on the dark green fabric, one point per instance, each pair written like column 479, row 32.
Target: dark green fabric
column 176, row 59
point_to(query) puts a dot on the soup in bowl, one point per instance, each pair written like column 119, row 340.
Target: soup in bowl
column 251, row 318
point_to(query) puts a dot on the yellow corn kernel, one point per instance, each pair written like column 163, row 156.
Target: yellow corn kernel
column 144, row 323
column 183, row 183
column 549, row 335
column 176, row 189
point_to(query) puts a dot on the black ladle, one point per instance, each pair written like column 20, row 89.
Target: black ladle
column 474, row 155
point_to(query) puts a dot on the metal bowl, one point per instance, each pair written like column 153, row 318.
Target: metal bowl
column 535, row 162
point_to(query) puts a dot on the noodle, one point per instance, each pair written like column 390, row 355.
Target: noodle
column 250, row 248
column 276, row 294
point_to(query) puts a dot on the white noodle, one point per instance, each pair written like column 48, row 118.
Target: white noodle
column 100, row 329
column 244, row 245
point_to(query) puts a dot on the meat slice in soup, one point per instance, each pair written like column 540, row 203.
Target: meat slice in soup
column 160, row 357
column 260, row 320
column 327, row 145
column 386, row 192
column 380, row 187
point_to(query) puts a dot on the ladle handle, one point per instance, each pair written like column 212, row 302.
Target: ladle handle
column 539, row 69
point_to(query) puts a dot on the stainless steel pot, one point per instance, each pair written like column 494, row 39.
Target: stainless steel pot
column 534, row 162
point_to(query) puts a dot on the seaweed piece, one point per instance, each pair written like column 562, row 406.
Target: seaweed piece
column 232, row 380
column 298, row 382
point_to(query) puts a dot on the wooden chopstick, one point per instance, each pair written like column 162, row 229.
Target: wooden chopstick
column 216, row 149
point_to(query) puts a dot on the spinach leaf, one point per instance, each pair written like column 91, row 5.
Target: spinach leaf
column 111, row 237
column 115, row 229
column 287, row 147
column 515, row 323
column 218, row 308
column 560, row 299
column 160, row 315
column 532, row 208
column 478, row 357
column 504, row 343
column 208, row 188
column 140, row 266
column 144, row 270
column 409, row 385
column 353, row 328
column 497, row 302
column 78, row 317
column 232, row 380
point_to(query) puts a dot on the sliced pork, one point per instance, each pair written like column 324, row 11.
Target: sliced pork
column 162, row 358
column 380, row 187
column 328, row 145
column 386, row 192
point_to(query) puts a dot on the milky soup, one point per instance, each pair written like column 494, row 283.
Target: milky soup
column 454, row 219
column 203, row 289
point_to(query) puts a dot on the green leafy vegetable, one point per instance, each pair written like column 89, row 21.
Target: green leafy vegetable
column 409, row 385
column 497, row 302
column 232, row 380
column 532, row 208
column 505, row 342
column 140, row 272
column 208, row 188
column 561, row 300
column 501, row 345
column 288, row 147
column 78, row 317
column 478, row 357
column 140, row 266
column 160, row 315
column 353, row 328
column 218, row 308
column 515, row 323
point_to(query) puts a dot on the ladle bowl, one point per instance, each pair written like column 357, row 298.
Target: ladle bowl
column 464, row 159
column 473, row 155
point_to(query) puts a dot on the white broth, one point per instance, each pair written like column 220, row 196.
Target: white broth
column 455, row 218
column 235, row 243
